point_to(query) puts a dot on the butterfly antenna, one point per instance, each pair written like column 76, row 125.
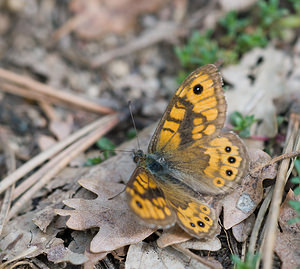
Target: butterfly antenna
column 134, row 126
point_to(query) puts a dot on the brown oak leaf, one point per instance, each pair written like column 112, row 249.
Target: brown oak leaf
column 118, row 226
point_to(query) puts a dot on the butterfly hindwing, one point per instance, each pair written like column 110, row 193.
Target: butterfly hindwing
column 193, row 215
column 222, row 164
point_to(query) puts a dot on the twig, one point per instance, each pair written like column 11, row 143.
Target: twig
column 285, row 156
column 258, row 222
column 69, row 26
column 61, row 160
column 271, row 224
column 211, row 263
column 47, row 91
column 11, row 166
column 49, row 111
column 164, row 31
column 279, row 158
column 45, row 155
column 21, row 255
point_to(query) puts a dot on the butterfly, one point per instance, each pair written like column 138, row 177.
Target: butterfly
column 188, row 156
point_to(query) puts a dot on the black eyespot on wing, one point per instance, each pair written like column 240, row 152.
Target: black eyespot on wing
column 228, row 149
column 206, row 218
column 192, row 224
column 198, row 89
column 231, row 160
column 228, row 172
column 139, row 204
column 201, row 224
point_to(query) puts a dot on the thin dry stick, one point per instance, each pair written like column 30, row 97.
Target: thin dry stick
column 69, row 26
column 210, row 263
column 271, row 224
column 21, row 91
column 19, row 256
column 259, row 219
column 45, row 155
column 51, row 92
column 163, row 32
column 49, row 111
column 11, row 166
column 26, row 184
column 61, row 160
column 285, row 156
column 277, row 159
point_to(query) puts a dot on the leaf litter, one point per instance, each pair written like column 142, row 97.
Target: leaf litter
column 287, row 244
column 39, row 231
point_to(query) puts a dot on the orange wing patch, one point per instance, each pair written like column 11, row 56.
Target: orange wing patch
column 147, row 200
column 195, row 219
column 224, row 161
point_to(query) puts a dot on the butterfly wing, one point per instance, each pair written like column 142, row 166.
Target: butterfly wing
column 190, row 139
column 193, row 215
column 148, row 201
column 212, row 167
column 196, row 110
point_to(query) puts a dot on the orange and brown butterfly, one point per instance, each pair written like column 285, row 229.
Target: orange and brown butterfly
column 189, row 154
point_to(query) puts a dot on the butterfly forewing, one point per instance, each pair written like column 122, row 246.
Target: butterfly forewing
column 147, row 200
column 197, row 110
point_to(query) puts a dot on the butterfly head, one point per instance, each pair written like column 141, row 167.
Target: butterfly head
column 139, row 156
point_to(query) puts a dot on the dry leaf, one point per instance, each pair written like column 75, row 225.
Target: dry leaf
column 45, row 142
column 241, row 203
column 61, row 129
column 143, row 255
column 93, row 259
column 21, row 234
column 237, row 5
column 242, row 230
column 98, row 17
column 287, row 244
column 176, row 235
column 260, row 77
column 213, row 244
column 118, row 226
column 59, row 253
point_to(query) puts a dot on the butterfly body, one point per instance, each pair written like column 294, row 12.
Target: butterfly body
column 188, row 155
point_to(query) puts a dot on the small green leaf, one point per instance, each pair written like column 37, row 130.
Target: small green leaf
column 249, row 263
column 295, row 205
column 297, row 191
column 107, row 146
column 295, row 180
column 93, row 161
column 294, row 220
column 297, row 165
column 131, row 133
column 236, row 119
column 242, row 123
